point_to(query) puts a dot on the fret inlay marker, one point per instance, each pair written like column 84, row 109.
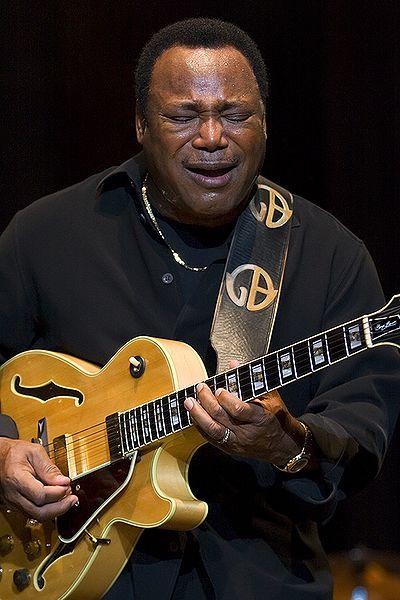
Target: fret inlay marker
column 318, row 352
column 355, row 336
column 286, row 365
column 233, row 383
column 174, row 412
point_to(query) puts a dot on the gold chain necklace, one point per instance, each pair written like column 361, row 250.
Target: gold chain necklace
column 150, row 213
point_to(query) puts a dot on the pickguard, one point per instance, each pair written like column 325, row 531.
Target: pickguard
column 94, row 490
column 45, row 392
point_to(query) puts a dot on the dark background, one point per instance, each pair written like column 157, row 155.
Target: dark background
column 68, row 109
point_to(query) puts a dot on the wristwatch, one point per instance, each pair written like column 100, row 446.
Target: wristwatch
column 298, row 462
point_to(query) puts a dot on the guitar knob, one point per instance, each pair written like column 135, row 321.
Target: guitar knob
column 6, row 544
column 22, row 579
column 32, row 549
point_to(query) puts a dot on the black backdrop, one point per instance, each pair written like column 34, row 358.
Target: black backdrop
column 67, row 108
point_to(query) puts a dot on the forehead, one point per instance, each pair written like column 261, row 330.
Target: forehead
column 202, row 73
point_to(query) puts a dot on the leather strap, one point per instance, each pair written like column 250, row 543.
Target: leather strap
column 250, row 288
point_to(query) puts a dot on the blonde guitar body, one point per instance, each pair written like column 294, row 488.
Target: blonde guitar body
column 153, row 492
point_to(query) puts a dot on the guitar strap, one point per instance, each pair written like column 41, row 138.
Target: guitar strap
column 249, row 294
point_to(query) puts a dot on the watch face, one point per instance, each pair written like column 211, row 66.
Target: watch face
column 298, row 464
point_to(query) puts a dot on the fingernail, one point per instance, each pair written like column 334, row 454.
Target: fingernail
column 200, row 386
column 189, row 403
column 218, row 391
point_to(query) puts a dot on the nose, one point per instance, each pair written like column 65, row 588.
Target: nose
column 210, row 135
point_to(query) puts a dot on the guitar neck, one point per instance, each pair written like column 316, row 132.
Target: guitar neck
column 164, row 416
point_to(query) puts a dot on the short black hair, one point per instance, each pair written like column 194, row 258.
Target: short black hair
column 197, row 33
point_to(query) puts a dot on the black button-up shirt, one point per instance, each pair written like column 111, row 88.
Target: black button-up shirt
column 83, row 271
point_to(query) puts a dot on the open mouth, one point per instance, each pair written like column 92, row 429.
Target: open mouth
column 211, row 171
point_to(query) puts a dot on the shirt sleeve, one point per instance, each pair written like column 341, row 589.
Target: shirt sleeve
column 355, row 403
column 17, row 309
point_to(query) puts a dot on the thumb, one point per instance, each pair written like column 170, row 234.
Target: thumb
column 46, row 470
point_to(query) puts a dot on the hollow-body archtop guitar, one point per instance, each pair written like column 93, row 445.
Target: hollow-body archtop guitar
column 123, row 436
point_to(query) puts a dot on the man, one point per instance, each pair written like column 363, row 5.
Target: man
column 141, row 250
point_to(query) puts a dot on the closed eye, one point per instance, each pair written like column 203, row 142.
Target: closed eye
column 181, row 118
column 237, row 117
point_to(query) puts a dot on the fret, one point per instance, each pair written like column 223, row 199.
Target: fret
column 188, row 413
column 174, row 412
column 294, row 364
column 232, row 382
column 345, row 341
column 191, row 392
column 133, row 428
column 124, row 440
column 220, row 381
column 318, row 352
column 279, row 370
column 144, row 413
column 246, row 391
column 336, row 345
column 355, row 337
column 302, row 359
column 272, row 373
column 159, row 418
column 164, row 403
column 152, row 421
column 184, row 415
column 327, row 349
column 310, row 356
column 139, row 425
column 212, row 383
column 285, row 365
column 129, row 437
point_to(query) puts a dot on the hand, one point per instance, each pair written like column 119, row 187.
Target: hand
column 262, row 428
column 31, row 483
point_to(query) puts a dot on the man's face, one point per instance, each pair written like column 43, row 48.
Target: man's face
column 203, row 133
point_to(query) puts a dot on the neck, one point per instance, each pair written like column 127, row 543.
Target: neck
column 172, row 211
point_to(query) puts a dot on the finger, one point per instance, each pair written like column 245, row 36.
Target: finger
column 48, row 511
column 34, row 491
column 210, row 428
column 233, row 364
column 210, row 404
column 236, row 409
column 46, row 470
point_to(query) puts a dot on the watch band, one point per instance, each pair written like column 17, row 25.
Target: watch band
column 298, row 462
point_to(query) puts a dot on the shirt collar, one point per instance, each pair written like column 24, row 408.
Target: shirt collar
column 135, row 169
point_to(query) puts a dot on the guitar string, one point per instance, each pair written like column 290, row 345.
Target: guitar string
column 152, row 426
column 242, row 381
column 337, row 333
column 98, row 443
column 272, row 356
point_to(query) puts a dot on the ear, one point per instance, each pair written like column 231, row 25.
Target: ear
column 141, row 125
column 264, row 122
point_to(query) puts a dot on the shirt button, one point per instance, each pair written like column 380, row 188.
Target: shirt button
column 167, row 278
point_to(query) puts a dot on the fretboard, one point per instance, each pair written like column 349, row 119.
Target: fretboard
column 130, row 430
